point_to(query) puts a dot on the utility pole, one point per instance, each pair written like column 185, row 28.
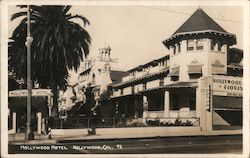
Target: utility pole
column 29, row 133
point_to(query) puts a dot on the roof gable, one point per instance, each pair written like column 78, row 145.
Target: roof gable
column 199, row 21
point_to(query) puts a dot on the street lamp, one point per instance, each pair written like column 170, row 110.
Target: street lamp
column 29, row 133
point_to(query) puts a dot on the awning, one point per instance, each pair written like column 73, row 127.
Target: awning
column 235, row 66
column 148, row 76
column 227, row 103
column 174, row 72
column 182, row 85
column 197, row 69
column 218, row 64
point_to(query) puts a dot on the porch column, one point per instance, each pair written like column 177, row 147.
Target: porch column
column 145, row 106
column 14, row 122
column 166, row 104
column 39, row 123
column 136, row 109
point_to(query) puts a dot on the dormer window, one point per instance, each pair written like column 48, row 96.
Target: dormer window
column 190, row 45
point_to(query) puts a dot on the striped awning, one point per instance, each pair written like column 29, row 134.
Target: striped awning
column 227, row 103
column 197, row 69
column 174, row 72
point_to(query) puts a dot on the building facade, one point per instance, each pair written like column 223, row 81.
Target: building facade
column 92, row 85
column 198, row 82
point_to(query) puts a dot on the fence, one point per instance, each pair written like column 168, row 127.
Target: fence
column 112, row 122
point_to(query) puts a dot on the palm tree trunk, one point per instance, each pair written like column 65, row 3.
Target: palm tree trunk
column 55, row 103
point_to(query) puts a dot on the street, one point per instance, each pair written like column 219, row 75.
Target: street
column 161, row 145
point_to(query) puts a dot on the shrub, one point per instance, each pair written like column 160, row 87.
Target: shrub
column 178, row 122
column 155, row 122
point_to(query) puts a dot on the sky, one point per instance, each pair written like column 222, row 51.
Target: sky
column 135, row 33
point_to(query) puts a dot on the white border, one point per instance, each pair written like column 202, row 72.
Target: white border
column 4, row 74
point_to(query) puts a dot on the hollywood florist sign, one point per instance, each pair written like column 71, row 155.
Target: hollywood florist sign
column 227, row 86
column 35, row 92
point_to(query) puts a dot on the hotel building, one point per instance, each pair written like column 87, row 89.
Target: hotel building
column 199, row 81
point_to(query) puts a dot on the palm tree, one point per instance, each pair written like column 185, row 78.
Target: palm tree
column 59, row 45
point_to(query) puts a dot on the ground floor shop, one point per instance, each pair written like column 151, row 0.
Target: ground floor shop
column 203, row 103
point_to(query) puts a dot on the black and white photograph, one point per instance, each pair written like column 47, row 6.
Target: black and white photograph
column 124, row 79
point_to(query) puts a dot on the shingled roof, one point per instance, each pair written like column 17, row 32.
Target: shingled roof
column 200, row 25
column 200, row 21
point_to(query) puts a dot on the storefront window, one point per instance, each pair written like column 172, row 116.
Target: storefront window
column 175, row 102
column 155, row 102
column 192, row 101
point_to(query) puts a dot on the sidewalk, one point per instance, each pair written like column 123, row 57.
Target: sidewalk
column 18, row 138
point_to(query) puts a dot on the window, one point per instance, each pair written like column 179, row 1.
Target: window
column 162, row 82
column 174, row 78
column 132, row 89
column 190, row 45
column 122, row 91
column 93, row 78
column 156, row 102
column 144, row 86
column 212, row 45
column 195, row 76
column 132, row 74
column 174, row 74
column 199, row 45
column 194, row 71
column 219, row 46
column 174, row 49
column 192, row 101
column 179, row 47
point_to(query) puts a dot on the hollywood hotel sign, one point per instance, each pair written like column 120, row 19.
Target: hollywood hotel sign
column 35, row 92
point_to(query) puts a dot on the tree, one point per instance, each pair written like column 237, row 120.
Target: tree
column 59, row 44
